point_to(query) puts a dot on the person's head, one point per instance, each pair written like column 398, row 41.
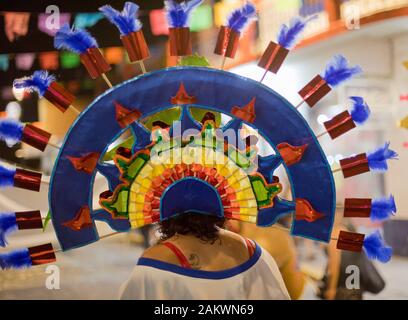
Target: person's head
column 205, row 227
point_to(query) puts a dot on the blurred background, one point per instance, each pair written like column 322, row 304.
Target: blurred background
column 371, row 33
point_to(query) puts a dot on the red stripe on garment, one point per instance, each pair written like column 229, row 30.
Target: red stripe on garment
column 250, row 246
column 180, row 256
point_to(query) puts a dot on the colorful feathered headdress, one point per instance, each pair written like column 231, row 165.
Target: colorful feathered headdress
column 180, row 156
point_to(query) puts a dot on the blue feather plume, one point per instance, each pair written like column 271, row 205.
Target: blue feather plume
column 6, row 177
column 240, row 18
column 289, row 34
column 377, row 160
column 75, row 40
column 8, row 224
column 383, row 208
column 11, row 130
column 15, row 259
column 376, row 249
column 360, row 111
column 39, row 82
column 178, row 14
column 126, row 21
column 338, row 71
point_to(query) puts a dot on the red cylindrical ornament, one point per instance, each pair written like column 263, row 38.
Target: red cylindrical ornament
column 273, row 57
column 355, row 165
column 94, row 62
column 314, row 91
column 180, row 42
column 59, row 96
column 42, row 254
column 357, row 208
column 35, row 137
column 339, row 125
column 29, row 220
column 350, row 241
column 227, row 42
column 136, row 46
column 29, row 180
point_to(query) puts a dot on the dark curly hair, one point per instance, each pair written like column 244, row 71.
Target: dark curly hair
column 205, row 227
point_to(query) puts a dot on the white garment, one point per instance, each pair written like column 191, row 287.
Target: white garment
column 257, row 279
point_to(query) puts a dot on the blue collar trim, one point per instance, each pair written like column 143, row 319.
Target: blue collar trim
column 214, row 275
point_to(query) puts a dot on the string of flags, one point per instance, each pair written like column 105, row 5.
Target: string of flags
column 202, row 19
column 54, row 60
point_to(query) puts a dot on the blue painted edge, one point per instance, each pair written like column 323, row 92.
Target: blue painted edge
column 211, row 275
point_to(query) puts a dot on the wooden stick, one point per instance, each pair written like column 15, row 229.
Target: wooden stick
column 54, row 146
column 142, row 66
column 288, row 230
column 300, row 104
column 225, row 164
column 241, row 190
column 321, row 135
column 336, row 170
column 109, row 235
column 244, row 189
column 264, row 75
column 74, row 109
column 107, row 80
column 19, row 166
column 243, row 178
column 227, row 177
column 233, row 173
column 224, row 60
